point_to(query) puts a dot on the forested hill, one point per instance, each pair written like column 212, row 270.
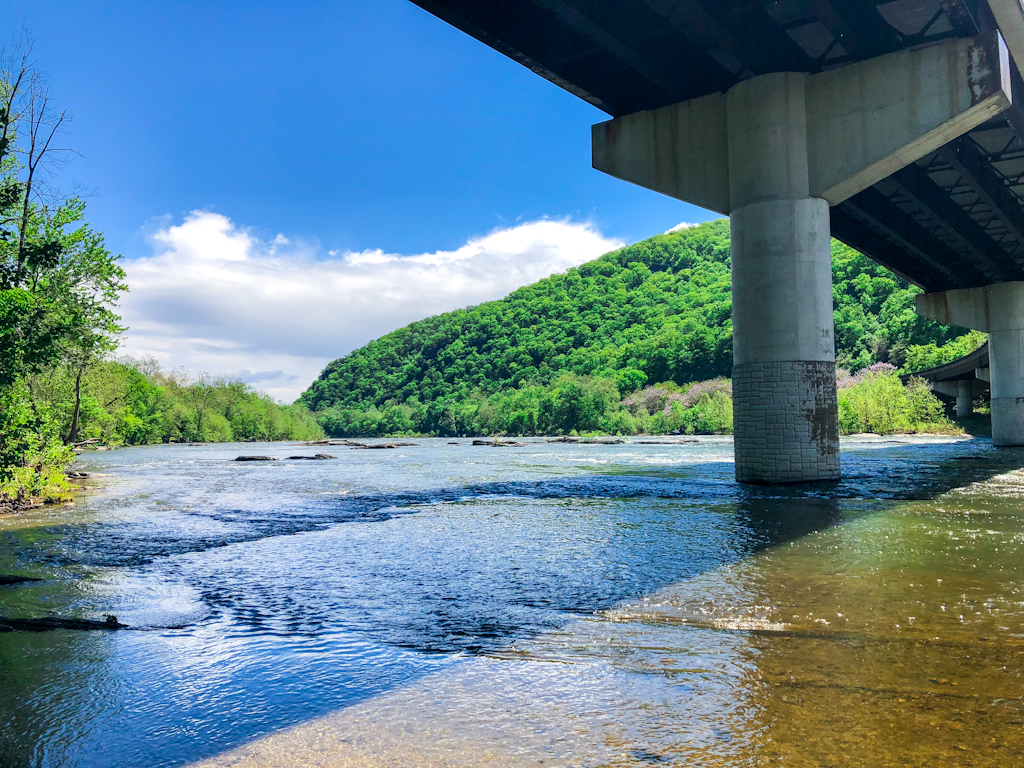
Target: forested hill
column 656, row 311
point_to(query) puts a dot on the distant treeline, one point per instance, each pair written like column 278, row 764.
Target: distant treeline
column 569, row 353
column 134, row 402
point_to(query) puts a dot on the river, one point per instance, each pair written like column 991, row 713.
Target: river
column 546, row 605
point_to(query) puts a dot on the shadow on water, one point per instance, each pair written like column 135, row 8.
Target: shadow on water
column 478, row 567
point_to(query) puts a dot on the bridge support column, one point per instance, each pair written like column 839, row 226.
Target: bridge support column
column 964, row 399
column 784, row 384
column 998, row 310
column 1006, row 362
column 774, row 153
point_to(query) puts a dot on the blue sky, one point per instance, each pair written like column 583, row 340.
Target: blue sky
column 347, row 127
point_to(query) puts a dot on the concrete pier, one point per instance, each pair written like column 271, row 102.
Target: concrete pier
column 775, row 152
column 964, row 399
column 784, row 383
column 999, row 311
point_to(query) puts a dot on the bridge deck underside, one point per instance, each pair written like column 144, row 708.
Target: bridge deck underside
column 954, row 219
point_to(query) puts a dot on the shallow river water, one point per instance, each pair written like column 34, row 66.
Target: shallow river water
column 550, row 605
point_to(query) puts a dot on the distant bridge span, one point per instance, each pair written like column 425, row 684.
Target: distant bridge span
column 896, row 127
column 964, row 379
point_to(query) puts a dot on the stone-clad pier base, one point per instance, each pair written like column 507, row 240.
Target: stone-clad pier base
column 785, row 421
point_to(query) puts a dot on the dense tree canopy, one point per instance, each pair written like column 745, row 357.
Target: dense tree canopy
column 656, row 311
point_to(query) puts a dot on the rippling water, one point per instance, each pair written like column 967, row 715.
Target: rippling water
column 555, row 605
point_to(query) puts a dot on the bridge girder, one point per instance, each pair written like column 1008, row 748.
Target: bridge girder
column 627, row 56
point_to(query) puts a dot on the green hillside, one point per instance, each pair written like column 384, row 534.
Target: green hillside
column 657, row 311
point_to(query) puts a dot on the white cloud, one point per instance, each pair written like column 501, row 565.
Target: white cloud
column 681, row 225
column 213, row 297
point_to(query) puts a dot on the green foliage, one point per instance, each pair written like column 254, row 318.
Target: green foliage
column 874, row 315
column 880, row 403
column 58, row 287
column 29, row 335
column 629, row 380
column 922, row 356
column 712, row 416
column 133, row 402
column 32, row 455
column 545, row 359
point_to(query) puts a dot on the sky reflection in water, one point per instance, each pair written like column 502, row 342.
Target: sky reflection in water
column 549, row 605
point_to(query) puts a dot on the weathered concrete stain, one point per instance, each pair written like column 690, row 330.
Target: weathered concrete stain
column 823, row 415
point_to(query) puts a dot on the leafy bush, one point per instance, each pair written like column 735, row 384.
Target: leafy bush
column 32, row 455
column 880, row 403
column 713, row 414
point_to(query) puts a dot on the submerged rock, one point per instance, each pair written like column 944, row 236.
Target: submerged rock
column 317, row 457
column 255, row 458
column 51, row 622
column 664, row 442
column 16, row 579
column 587, row 440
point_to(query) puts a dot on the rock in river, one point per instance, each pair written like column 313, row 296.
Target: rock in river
column 255, row 458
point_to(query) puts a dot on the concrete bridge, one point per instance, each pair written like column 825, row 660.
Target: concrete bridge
column 895, row 126
column 962, row 379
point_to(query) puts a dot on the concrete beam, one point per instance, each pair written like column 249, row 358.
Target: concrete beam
column 987, row 257
column 681, row 150
column 863, row 122
column 965, row 307
column 955, row 387
column 965, row 155
column 868, row 120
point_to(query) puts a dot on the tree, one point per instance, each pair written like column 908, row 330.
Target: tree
column 58, row 283
column 202, row 392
